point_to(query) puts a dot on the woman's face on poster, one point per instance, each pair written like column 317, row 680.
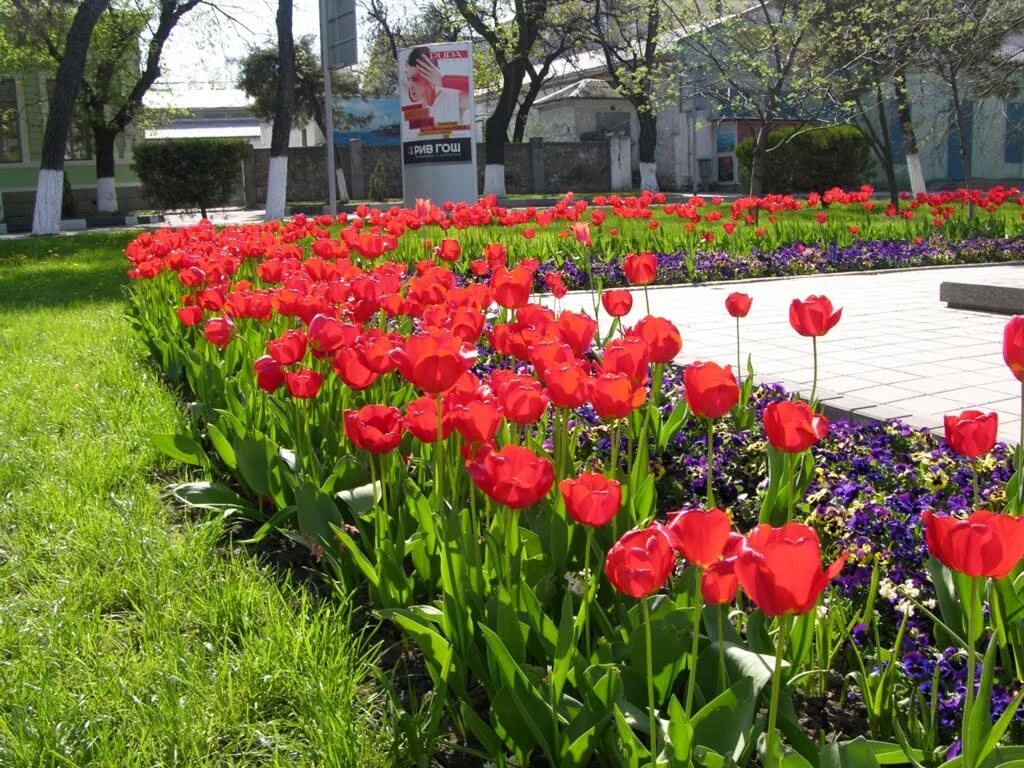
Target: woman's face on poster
column 420, row 89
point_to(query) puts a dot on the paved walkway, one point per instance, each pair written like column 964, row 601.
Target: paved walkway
column 897, row 352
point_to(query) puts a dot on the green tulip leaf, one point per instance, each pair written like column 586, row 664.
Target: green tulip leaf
column 848, row 754
column 724, row 723
column 181, row 448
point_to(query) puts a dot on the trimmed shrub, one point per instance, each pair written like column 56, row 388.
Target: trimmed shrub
column 810, row 160
column 379, row 182
column 190, row 173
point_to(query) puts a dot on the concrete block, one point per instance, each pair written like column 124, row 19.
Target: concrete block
column 1000, row 299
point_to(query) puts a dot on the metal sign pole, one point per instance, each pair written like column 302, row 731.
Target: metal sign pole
column 332, row 198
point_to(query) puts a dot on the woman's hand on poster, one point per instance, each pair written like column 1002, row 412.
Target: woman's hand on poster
column 429, row 71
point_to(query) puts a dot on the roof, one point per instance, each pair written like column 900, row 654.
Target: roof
column 588, row 88
column 187, row 96
column 191, row 128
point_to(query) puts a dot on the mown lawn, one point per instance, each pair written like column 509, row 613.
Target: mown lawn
column 131, row 635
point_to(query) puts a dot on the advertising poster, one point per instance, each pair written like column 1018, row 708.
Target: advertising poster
column 435, row 92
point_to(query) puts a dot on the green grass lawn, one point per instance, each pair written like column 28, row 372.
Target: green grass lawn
column 131, row 635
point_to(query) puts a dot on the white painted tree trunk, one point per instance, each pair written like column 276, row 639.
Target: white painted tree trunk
column 106, row 195
column 49, row 191
column 277, row 185
column 649, row 176
column 343, row 195
column 916, row 173
column 494, row 179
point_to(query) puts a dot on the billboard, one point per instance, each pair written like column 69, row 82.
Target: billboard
column 340, row 19
column 374, row 121
column 435, row 90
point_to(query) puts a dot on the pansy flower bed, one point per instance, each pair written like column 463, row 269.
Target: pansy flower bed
column 525, row 496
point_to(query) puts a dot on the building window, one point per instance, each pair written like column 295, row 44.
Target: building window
column 79, row 145
column 10, row 131
column 1013, row 147
column 725, row 147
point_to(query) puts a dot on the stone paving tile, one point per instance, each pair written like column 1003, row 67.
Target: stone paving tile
column 896, row 341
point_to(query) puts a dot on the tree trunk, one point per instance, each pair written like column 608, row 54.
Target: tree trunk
column 106, row 189
column 917, row 184
column 884, row 148
column 523, row 115
column 648, row 141
column 46, row 217
column 757, row 162
column 277, row 173
column 962, row 139
column 496, row 128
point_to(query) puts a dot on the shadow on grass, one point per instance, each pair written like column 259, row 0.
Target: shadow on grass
column 64, row 270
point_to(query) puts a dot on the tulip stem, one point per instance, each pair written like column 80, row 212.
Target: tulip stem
column 814, row 384
column 773, row 706
column 739, row 370
column 711, row 463
column 789, row 487
column 647, row 300
column 439, row 460
column 587, row 595
column 651, row 717
column 972, row 603
column 691, row 682
column 721, row 647
column 976, row 467
column 613, row 466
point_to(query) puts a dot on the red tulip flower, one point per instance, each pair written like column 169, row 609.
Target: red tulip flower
column 420, row 420
column 813, row 316
column 511, row 287
column 569, row 385
column 591, row 499
column 190, row 316
column 699, row 535
column 514, row 476
column 303, row 383
column 577, row 330
column 984, row 544
column 615, row 395
column 641, row 561
column 1013, row 345
column 711, row 390
column 640, row 268
column 630, row 356
column 523, row 399
column 719, row 583
column 374, row 428
column 617, row 302
column 792, row 427
column 433, row 360
column 288, row 348
column 477, row 421
column 351, row 369
column 581, row 231
column 449, row 249
column 738, row 304
column 662, row 337
column 269, row 375
column 972, row 433
column 781, row 569
column 219, row 330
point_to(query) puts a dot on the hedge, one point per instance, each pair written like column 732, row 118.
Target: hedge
column 190, row 173
column 810, row 160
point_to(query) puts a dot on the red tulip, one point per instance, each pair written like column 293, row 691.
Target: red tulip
column 190, row 316
column 569, row 385
column 555, row 284
column 662, row 338
column 640, row 268
column 641, row 561
column 591, row 499
column 327, row 334
column 699, row 536
column 719, row 583
column 813, row 316
column 269, row 375
column 496, row 255
column 984, row 544
column 581, row 231
column 421, row 420
column 710, row 389
column 972, row 433
column 738, row 304
column 219, row 330
column 288, row 348
column 449, row 249
column 303, row 383
column 630, row 356
column 1013, row 345
column 781, row 569
column 514, row 476
column 617, row 303
column 615, row 395
column 793, row 427
column 374, row 428
column 351, row 369
column 433, row 360
column 511, row 287
column 477, row 421
column 577, row 330
column 522, row 398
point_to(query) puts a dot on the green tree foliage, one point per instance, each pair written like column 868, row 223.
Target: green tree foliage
column 258, row 78
column 815, row 160
column 190, row 173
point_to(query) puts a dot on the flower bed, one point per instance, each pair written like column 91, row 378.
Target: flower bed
column 526, row 500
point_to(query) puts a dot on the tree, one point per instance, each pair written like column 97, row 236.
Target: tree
column 258, row 78
column 277, row 173
column 762, row 61
column 50, row 186
column 629, row 34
